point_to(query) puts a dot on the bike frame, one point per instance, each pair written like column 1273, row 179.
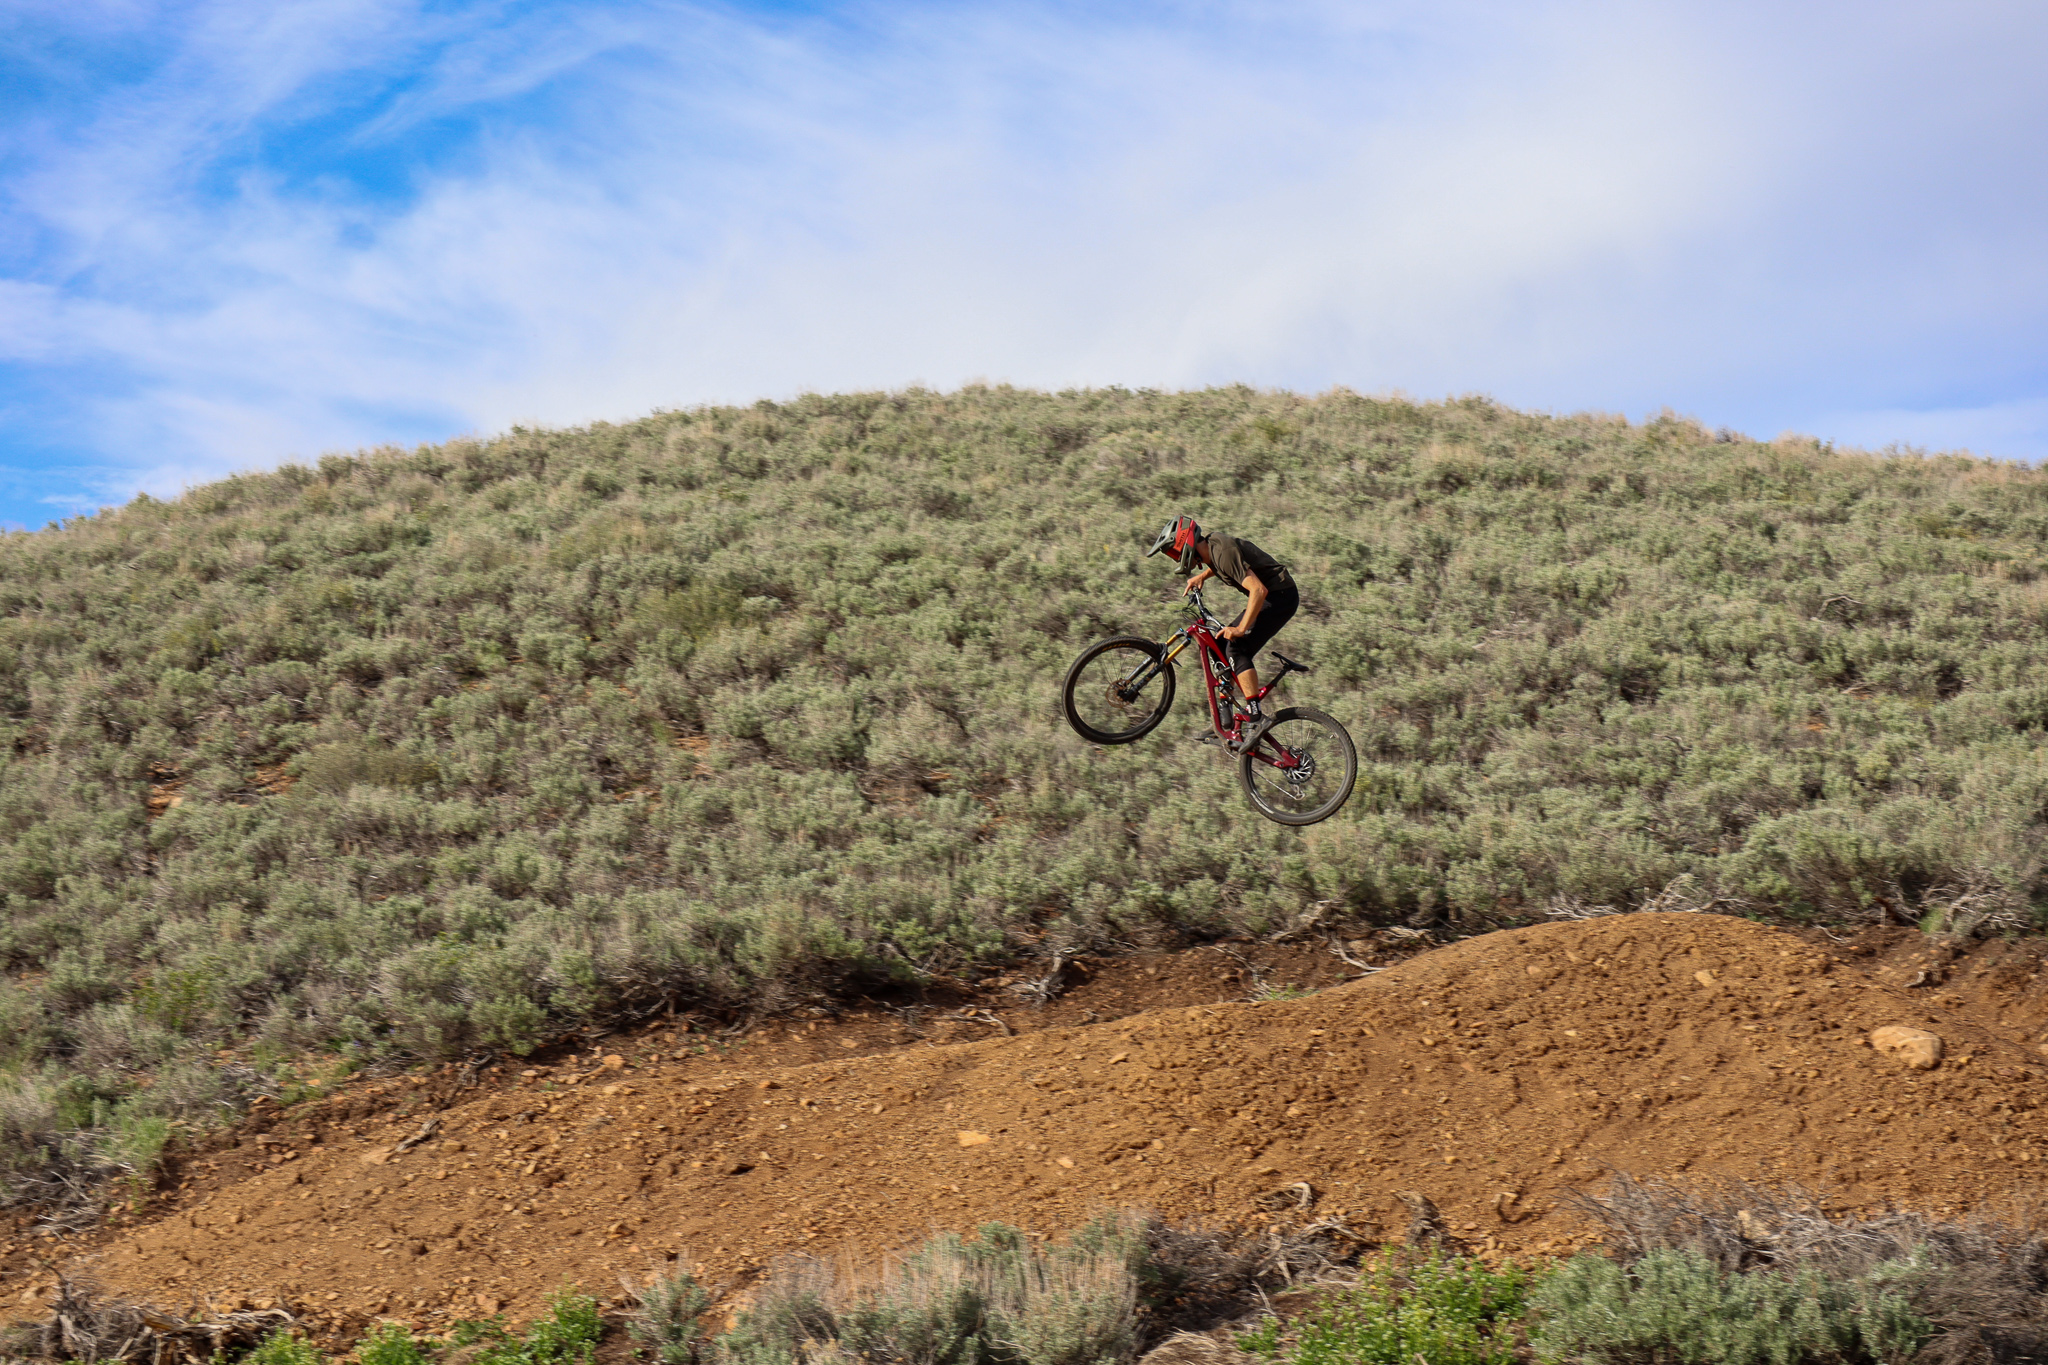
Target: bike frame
column 1201, row 633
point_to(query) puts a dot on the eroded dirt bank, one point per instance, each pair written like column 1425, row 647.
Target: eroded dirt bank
column 1490, row 1075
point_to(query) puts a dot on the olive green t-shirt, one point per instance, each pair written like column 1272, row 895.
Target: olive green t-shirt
column 1233, row 556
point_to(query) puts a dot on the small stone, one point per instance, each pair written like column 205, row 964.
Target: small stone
column 1911, row 1047
column 969, row 1138
column 1067, row 1162
column 1704, row 978
column 769, row 1085
column 614, row 1062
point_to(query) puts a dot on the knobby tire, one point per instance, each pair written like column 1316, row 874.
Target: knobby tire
column 1095, row 708
column 1318, row 797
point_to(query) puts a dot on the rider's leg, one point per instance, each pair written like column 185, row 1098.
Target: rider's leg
column 1248, row 703
column 1243, row 650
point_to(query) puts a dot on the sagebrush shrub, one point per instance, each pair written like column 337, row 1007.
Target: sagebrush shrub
column 417, row 751
column 1678, row 1307
column 665, row 1324
column 1001, row 1299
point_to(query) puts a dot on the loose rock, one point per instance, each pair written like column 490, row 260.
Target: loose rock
column 1916, row 1048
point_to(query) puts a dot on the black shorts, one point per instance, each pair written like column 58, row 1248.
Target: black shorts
column 1281, row 602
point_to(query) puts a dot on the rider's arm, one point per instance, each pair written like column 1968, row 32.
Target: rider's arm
column 1199, row 579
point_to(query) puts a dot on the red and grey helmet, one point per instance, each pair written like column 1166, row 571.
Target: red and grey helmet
column 1180, row 535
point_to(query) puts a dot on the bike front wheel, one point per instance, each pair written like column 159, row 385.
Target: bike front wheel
column 1118, row 690
column 1302, row 769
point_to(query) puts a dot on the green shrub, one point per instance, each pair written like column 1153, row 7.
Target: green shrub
column 285, row 1347
column 392, row 1343
column 1447, row 1311
column 566, row 1336
column 1678, row 1307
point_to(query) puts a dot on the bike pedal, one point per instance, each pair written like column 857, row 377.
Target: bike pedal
column 1208, row 737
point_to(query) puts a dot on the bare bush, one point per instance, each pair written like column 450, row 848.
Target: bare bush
column 86, row 1324
column 1575, row 908
column 1980, row 902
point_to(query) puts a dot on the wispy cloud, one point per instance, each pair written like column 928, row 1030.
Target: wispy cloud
column 335, row 223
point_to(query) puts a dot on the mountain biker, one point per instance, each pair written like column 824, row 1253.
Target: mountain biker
column 1271, row 602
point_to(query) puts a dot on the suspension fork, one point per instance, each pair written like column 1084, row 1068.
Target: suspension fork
column 1151, row 668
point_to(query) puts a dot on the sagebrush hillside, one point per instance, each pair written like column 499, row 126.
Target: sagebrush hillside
column 416, row 752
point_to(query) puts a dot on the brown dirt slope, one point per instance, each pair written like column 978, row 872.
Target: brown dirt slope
column 1490, row 1075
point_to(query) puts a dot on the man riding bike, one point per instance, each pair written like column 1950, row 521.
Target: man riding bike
column 1271, row 602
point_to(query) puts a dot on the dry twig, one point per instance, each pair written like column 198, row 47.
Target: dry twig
column 989, row 1017
column 83, row 1326
column 1043, row 990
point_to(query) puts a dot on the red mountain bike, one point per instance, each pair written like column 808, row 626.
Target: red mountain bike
column 1300, row 770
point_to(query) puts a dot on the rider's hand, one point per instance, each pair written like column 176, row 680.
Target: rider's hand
column 1236, row 632
column 1197, row 581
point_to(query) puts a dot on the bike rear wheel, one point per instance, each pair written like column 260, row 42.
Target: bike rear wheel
column 1303, row 768
column 1118, row 690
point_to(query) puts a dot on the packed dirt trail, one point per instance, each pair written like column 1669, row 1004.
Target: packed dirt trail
column 1490, row 1075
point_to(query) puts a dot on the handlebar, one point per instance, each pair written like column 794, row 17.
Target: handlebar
column 1193, row 601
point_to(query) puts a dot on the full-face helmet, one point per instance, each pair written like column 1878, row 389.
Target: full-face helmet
column 1180, row 535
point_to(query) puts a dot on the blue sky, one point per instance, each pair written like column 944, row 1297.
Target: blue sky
column 233, row 234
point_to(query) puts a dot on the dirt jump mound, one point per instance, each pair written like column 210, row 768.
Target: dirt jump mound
column 1489, row 1076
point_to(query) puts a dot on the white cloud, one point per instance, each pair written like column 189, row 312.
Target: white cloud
column 1749, row 213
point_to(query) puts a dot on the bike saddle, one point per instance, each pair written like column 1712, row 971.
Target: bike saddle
column 1288, row 665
